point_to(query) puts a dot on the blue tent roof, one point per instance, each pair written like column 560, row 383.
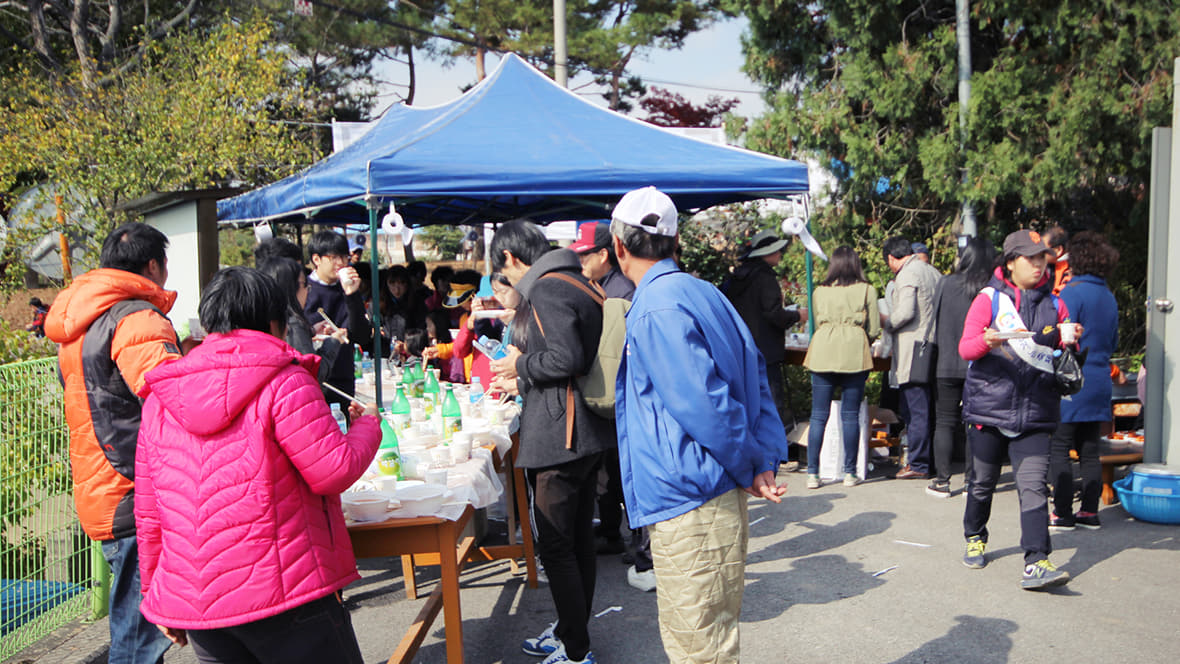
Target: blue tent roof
column 516, row 144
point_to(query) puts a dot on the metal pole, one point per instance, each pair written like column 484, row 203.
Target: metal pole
column 375, row 307
column 560, row 68
column 963, row 35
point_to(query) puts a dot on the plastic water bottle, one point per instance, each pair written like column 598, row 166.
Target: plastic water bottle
column 475, row 393
column 366, row 363
column 338, row 415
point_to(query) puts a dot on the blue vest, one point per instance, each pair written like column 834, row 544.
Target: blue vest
column 1004, row 391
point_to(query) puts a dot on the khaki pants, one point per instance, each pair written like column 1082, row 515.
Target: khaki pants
column 700, row 564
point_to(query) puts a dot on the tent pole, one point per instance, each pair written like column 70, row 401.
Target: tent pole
column 375, row 303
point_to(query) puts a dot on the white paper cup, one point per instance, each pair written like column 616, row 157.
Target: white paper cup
column 441, row 455
column 387, row 484
column 460, row 453
column 1069, row 333
column 341, row 275
column 436, row 476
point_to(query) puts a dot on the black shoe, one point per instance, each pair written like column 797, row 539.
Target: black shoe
column 1060, row 523
column 1087, row 520
column 610, row 545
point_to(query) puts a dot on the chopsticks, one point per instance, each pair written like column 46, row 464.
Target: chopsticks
column 346, row 395
column 327, row 320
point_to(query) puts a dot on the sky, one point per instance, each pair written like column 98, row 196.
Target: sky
column 710, row 59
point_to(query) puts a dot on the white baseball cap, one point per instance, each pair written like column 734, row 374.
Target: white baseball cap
column 647, row 208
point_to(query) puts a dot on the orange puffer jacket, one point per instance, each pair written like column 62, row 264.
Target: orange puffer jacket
column 112, row 330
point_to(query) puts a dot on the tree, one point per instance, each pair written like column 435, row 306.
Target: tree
column 668, row 109
column 200, row 110
column 603, row 35
column 1063, row 101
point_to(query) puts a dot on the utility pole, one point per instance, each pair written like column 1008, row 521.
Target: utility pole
column 963, row 35
column 560, row 67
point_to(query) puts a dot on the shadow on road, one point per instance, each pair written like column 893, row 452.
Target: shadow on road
column 973, row 641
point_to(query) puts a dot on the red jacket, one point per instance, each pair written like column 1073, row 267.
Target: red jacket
column 112, row 330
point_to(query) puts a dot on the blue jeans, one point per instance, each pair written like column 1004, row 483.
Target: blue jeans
column 134, row 640
column 823, row 387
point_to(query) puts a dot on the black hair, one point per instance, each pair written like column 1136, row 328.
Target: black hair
column 36, row 302
column 442, row 325
column 327, row 243
column 285, row 272
column 1055, row 237
column 241, row 298
column 417, row 270
column 642, row 244
column 897, row 247
column 845, row 268
column 132, row 246
column 276, row 247
column 977, row 261
column 416, row 342
column 467, row 278
column 395, row 273
column 521, row 238
column 443, row 272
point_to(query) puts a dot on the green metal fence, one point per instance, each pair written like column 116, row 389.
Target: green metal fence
column 46, row 566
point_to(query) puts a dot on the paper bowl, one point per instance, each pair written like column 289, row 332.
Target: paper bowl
column 365, row 505
column 422, row 500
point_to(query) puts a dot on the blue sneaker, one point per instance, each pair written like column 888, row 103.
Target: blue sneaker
column 543, row 644
column 559, row 657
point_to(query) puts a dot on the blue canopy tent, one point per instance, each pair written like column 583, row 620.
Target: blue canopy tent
column 515, row 145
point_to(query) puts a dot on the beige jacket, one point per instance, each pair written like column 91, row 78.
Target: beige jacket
column 846, row 320
column 911, row 314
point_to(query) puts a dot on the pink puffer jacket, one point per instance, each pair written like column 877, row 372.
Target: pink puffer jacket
column 237, row 481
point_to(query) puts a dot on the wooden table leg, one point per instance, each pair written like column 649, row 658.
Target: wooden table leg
column 411, row 582
column 1107, row 484
column 526, row 526
column 449, row 571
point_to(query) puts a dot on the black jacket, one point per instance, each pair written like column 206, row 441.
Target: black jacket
column 571, row 324
column 952, row 299
column 301, row 338
column 755, row 293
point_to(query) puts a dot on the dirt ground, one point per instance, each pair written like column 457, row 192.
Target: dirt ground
column 15, row 309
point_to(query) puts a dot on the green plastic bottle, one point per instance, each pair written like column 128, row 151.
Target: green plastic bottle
column 430, row 388
column 451, row 413
column 400, row 409
column 389, row 458
column 357, row 361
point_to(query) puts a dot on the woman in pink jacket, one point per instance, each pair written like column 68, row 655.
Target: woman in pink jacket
column 237, row 480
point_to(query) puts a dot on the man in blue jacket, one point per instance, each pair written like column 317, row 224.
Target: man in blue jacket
column 698, row 430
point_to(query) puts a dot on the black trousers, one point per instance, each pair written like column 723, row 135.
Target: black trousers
column 319, row 631
column 948, row 426
column 1030, row 464
column 563, row 523
column 610, row 495
column 1082, row 436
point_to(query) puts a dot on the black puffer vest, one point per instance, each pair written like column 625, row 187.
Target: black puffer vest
column 1003, row 390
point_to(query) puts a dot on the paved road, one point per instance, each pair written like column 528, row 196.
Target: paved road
column 811, row 594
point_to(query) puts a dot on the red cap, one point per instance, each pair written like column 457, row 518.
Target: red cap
column 591, row 237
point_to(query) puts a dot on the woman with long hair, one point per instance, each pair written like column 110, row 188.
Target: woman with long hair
column 952, row 298
column 846, row 320
column 1090, row 302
